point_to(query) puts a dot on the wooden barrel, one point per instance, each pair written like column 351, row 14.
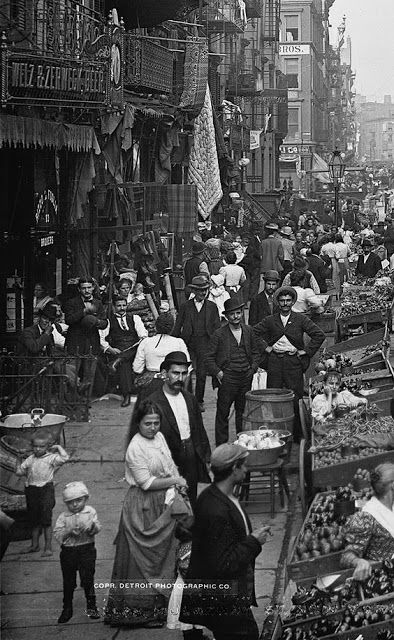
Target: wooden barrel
column 271, row 408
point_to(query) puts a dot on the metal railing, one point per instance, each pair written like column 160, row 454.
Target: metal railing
column 65, row 28
column 147, row 65
column 51, row 383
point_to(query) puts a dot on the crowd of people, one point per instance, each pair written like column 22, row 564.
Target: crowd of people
column 251, row 304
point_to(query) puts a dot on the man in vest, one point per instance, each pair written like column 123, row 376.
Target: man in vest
column 232, row 361
column 196, row 265
column 124, row 330
column 196, row 322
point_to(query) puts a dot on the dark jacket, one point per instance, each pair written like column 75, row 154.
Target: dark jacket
column 223, row 551
column 170, row 431
column 184, row 322
column 370, row 268
column 33, row 343
column 80, row 338
column 319, row 269
column 218, row 357
column 252, row 259
column 260, row 309
column 271, row 329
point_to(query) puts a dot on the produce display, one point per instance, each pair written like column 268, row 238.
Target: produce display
column 381, row 581
column 308, row 603
column 259, row 440
column 359, row 428
column 322, row 532
column 352, row 384
column 353, row 617
column 369, row 295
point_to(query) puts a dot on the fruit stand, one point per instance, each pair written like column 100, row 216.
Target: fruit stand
column 364, row 307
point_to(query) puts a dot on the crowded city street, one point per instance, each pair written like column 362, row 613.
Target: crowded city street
column 196, row 320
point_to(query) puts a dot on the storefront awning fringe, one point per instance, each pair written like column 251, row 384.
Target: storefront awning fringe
column 33, row 132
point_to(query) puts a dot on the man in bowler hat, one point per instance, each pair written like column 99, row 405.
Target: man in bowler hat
column 232, row 360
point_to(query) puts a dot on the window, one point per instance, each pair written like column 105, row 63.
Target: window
column 292, row 72
column 291, row 28
column 294, row 123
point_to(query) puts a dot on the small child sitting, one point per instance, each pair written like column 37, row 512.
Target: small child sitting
column 39, row 469
column 325, row 404
column 75, row 530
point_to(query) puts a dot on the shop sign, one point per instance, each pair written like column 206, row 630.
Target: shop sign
column 46, row 211
column 296, row 149
column 274, row 96
column 290, row 49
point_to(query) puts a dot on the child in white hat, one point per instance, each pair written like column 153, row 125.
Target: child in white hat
column 75, row 530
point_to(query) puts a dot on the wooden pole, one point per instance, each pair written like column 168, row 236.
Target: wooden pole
column 152, row 305
column 170, row 297
column 111, row 275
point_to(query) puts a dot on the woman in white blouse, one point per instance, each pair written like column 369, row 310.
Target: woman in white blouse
column 146, row 542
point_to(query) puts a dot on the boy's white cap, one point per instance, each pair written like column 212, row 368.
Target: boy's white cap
column 74, row 490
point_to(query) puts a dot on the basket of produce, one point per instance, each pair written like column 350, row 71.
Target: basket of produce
column 263, row 449
column 361, row 480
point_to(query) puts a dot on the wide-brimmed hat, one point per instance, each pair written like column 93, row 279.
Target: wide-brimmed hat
column 199, row 282
column 50, row 311
column 226, row 454
column 175, row 357
column 286, row 290
column 198, row 247
column 232, row 304
column 272, row 226
column 271, row 275
column 286, row 231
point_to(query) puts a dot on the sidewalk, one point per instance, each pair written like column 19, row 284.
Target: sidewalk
column 33, row 585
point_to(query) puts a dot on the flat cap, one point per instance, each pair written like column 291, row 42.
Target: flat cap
column 226, row 454
column 271, row 275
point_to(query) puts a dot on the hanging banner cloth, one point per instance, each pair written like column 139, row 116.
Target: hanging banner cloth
column 318, row 164
column 203, row 164
column 195, row 74
column 33, row 132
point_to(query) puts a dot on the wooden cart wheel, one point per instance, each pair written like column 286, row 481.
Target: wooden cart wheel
column 301, row 472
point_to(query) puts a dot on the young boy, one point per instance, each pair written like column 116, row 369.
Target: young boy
column 39, row 469
column 75, row 530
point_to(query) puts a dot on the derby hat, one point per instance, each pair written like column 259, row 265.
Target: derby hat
column 271, row 275
column 272, row 226
column 199, row 282
column 50, row 311
column 286, row 291
column 175, row 357
column 226, row 454
column 232, row 304
column 197, row 248
column 286, row 231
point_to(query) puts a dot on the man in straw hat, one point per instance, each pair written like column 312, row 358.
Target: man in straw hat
column 196, row 322
column 232, row 360
column 287, row 354
column 224, row 550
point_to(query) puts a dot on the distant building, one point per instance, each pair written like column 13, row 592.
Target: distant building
column 376, row 130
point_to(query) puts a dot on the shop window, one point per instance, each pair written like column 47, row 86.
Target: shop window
column 292, row 72
column 294, row 123
column 291, row 28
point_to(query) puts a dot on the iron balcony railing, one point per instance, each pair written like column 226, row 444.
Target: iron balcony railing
column 58, row 28
column 148, row 65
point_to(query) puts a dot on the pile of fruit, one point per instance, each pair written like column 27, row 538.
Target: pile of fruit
column 308, row 603
column 353, row 384
column 322, row 532
column 333, row 362
column 381, row 581
column 351, row 429
column 353, row 617
column 327, row 458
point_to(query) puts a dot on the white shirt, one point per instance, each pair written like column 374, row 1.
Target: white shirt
column 138, row 326
column 179, row 409
column 40, row 471
column 306, row 299
column 198, row 304
column 148, row 459
column 285, row 319
column 152, row 351
column 67, row 522
column 237, row 333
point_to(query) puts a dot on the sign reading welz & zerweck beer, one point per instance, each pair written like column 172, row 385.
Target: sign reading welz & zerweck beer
column 34, row 80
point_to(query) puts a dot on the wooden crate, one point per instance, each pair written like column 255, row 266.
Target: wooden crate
column 364, row 319
column 373, row 337
column 323, row 565
column 338, row 475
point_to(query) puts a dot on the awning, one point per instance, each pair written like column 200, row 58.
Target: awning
column 320, row 169
column 33, row 132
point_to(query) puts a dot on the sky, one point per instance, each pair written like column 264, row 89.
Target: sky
column 369, row 23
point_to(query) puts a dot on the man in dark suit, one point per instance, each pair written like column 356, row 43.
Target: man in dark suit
column 37, row 340
column 287, row 356
column 182, row 424
column 264, row 304
column 123, row 332
column 224, row 550
column 232, row 360
column 85, row 315
column 196, row 322
column 369, row 263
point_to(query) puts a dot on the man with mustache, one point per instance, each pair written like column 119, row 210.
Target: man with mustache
column 181, row 423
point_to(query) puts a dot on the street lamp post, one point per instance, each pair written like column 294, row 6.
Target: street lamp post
column 336, row 167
